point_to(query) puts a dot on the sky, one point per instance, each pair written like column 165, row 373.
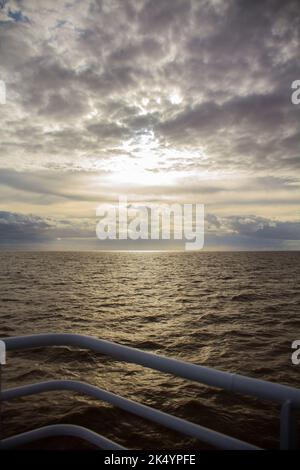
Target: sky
column 185, row 101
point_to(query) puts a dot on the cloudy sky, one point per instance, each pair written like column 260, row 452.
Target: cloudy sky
column 158, row 100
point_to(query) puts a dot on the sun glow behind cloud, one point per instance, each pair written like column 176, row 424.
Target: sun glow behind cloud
column 182, row 100
column 142, row 160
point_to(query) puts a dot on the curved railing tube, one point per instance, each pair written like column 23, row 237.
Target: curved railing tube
column 288, row 397
column 60, row 430
column 177, row 424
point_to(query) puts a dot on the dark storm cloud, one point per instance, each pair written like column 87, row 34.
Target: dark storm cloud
column 16, row 227
column 161, row 16
column 18, row 16
column 19, row 227
column 244, row 117
column 148, row 48
column 231, row 62
column 63, row 105
column 108, row 130
column 239, row 231
column 257, row 227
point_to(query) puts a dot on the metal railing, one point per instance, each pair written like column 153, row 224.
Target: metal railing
column 288, row 397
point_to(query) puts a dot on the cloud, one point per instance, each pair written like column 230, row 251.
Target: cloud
column 232, row 63
column 71, row 185
column 255, row 227
column 160, row 99
column 21, row 228
column 18, row 16
column 18, row 227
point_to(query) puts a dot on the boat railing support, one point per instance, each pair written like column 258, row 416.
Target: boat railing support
column 288, row 397
column 288, row 427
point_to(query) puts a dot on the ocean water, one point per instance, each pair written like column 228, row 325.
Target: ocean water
column 237, row 312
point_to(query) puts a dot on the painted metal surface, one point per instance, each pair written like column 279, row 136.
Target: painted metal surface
column 288, row 397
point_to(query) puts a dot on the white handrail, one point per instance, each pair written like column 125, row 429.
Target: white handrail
column 2, row 353
column 209, row 376
column 60, row 430
column 206, row 375
column 177, row 424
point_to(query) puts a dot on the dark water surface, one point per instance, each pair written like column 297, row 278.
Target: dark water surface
column 237, row 312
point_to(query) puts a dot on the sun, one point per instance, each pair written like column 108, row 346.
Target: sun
column 144, row 161
column 140, row 162
column 175, row 98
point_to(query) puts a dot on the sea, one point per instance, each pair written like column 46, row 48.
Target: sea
column 233, row 311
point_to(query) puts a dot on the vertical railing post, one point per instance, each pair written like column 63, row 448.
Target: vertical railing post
column 288, row 427
column 2, row 363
